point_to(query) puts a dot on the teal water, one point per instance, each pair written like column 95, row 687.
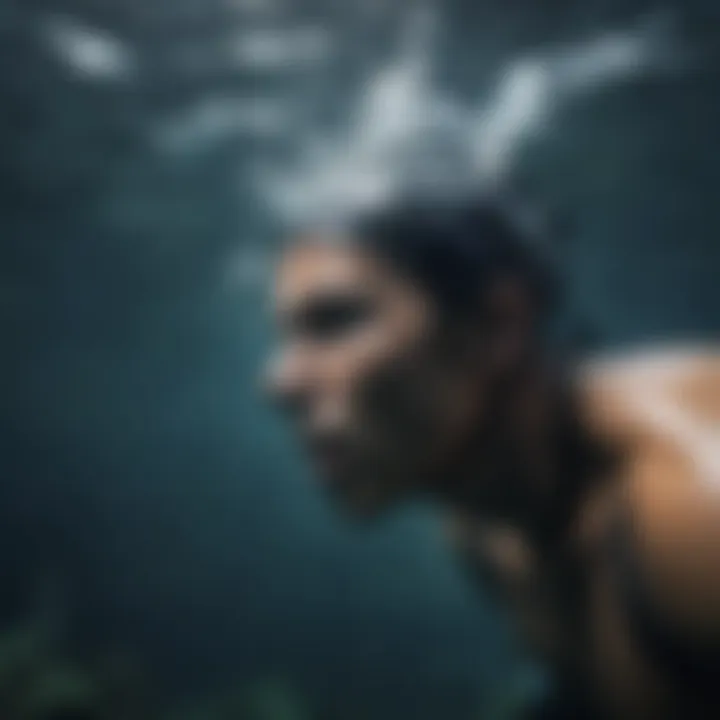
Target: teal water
column 153, row 510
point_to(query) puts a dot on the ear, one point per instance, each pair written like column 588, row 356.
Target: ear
column 509, row 319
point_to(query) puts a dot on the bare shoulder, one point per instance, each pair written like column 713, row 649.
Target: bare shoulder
column 673, row 496
column 671, row 368
column 667, row 405
column 670, row 393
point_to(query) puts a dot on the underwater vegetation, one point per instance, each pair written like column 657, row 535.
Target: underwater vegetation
column 41, row 678
column 264, row 700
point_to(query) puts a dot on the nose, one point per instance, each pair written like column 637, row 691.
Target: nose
column 286, row 385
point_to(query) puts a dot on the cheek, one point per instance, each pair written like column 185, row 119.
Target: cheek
column 395, row 399
column 420, row 407
column 384, row 380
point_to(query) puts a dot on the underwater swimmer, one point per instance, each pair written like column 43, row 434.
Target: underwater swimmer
column 416, row 361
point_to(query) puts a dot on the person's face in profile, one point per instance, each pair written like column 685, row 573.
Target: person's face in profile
column 364, row 370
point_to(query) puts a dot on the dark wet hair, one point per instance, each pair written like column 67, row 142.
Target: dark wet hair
column 455, row 248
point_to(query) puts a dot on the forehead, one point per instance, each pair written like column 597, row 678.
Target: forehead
column 315, row 265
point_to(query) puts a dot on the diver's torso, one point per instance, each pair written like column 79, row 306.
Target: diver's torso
column 564, row 604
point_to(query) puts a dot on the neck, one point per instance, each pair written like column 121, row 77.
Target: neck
column 531, row 462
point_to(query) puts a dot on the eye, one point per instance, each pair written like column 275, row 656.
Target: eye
column 330, row 318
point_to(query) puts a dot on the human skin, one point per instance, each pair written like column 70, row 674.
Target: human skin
column 540, row 481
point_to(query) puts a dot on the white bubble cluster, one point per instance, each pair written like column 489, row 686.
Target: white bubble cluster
column 404, row 131
column 91, row 53
column 214, row 119
column 269, row 49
